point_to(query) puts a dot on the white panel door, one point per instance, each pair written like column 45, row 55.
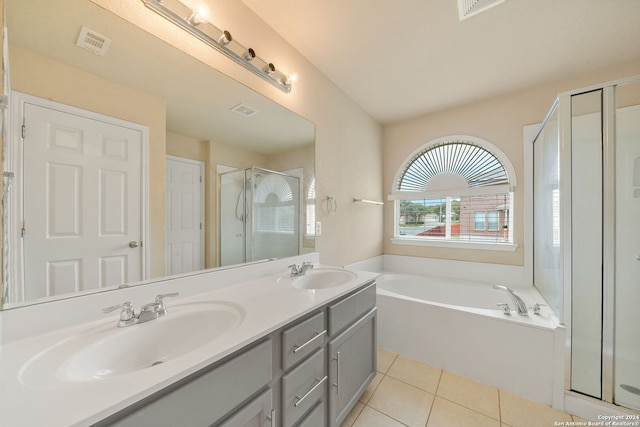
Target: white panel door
column 184, row 215
column 82, row 205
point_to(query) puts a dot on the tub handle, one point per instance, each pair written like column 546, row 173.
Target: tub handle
column 337, row 383
column 506, row 310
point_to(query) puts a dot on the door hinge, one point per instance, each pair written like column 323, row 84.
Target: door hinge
column 23, row 231
column 24, row 131
column 200, row 179
column 200, row 226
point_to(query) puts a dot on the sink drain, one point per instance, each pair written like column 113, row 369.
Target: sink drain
column 156, row 363
column 630, row 389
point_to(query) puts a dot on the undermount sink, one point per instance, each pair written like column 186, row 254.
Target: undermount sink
column 323, row 278
column 106, row 351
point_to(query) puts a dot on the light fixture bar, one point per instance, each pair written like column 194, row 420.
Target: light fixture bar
column 220, row 40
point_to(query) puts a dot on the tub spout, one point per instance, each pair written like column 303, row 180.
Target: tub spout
column 521, row 307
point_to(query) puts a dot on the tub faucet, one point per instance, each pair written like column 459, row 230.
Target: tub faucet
column 521, row 307
column 302, row 270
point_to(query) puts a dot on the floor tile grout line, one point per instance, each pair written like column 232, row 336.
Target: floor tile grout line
column 499, row 419
column 500, row 405
column 386, row 415
column 433, row 401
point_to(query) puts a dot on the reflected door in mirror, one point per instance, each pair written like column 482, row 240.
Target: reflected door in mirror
column 184, row 214
column 82, row 182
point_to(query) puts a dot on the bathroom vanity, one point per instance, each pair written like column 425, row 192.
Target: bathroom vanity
column 302, row 353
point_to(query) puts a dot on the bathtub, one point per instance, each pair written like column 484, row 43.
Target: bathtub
column 455, row 325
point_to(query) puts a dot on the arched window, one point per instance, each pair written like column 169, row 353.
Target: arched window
column 455, row 189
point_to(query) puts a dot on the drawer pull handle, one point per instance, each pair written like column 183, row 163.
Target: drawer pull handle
column 272, row 417
column 337, row 383
column 318, row 383
column 317, row 335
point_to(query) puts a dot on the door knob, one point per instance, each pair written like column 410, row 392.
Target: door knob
column 134, row 244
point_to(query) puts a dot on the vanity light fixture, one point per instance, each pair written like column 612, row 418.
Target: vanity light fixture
column 195, row 23
column 225, row 38
column 249, row 55
column 269, row 68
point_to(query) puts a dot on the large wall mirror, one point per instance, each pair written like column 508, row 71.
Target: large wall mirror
column 255, row 159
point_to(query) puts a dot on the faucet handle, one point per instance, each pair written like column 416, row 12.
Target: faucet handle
column 505, row 308
column 536, row 308
column 125, row 306
column 162, row 307
column 127, row 315
column 161, row 297
column 294, row 269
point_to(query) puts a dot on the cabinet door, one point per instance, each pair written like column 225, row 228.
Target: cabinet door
column 257, row 413
column 352, row 362
column 208, row 397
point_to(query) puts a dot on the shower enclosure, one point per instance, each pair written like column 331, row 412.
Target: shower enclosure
column 259, row 215
column 587, row 235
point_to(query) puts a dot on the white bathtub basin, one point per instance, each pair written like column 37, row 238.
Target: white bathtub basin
column 323, row 278
column 107, row 351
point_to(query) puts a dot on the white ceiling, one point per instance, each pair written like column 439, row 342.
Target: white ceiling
column 403, row 58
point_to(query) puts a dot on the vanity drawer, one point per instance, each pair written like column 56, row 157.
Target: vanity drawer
column 302, row 388
column 210, row 396
column 351, row 308
column 315, row 418
column 302, row 339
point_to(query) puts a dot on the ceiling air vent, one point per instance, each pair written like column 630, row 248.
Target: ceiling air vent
column 90, row 40
column 468, row 8
column 244, row 110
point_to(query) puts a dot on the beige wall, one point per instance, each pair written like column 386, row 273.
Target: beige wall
column 348, row 141
column 499, row 121
column 102, row 96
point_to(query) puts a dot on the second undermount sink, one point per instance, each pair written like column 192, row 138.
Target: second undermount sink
column 323, row 278
column 107, row 351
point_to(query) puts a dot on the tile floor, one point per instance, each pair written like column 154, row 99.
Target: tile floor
column 406, row 392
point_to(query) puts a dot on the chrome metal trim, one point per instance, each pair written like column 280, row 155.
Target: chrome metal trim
column 300, row 399
column 298, row 348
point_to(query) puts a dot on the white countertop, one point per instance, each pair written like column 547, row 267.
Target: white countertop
column 269, row 303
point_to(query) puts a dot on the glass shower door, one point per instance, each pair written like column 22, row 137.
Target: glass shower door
column 274, row 219
column 626, row 389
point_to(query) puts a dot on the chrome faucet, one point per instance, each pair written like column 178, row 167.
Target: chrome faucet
column 521, row 307
column 148, row 312
column 300, row 271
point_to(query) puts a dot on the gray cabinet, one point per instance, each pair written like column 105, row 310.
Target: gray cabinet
column 302, row 339
column 291, row 378
column 302, row 388
column 257, row 413
column 352, row 357
column 211, row 395
column 315, row 418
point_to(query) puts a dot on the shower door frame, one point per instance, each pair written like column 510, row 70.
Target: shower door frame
column 608, row 112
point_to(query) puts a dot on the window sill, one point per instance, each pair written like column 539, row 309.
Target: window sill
column 504, row 247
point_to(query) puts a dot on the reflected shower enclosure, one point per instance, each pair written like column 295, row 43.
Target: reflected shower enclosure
column 259, row 215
